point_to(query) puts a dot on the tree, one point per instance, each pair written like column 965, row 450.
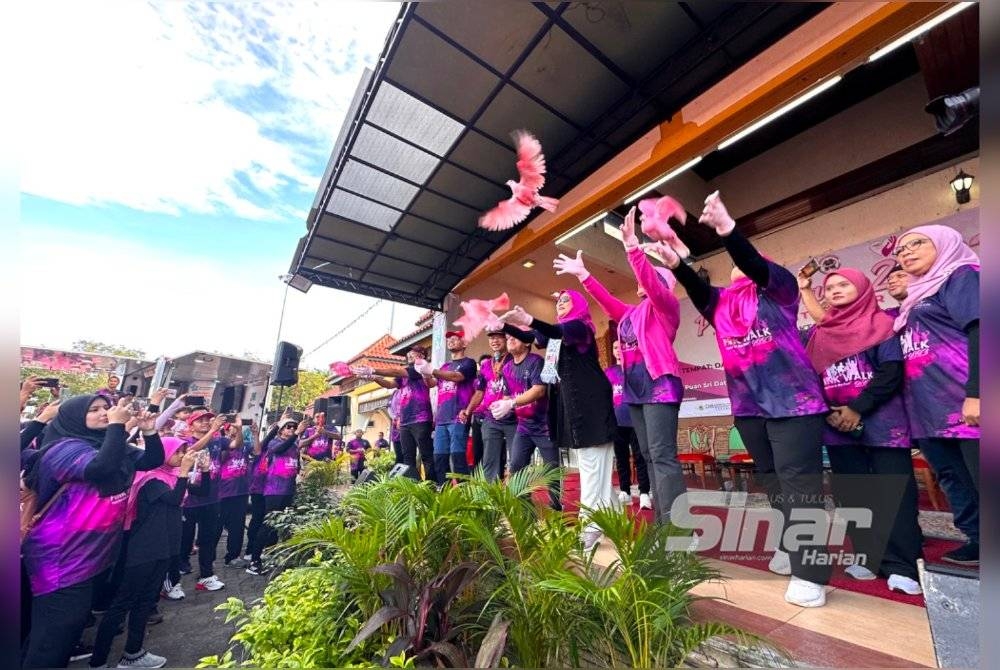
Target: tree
column 93, row 346
column 312, row 384
column 75, row 383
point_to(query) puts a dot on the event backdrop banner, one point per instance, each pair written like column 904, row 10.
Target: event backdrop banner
column 705, row 392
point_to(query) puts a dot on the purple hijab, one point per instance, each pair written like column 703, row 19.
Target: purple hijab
column 580, row 310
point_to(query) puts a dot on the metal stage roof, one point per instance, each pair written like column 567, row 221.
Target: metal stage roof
column 425, row 148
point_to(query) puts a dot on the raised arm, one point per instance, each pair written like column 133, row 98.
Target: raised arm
column 612, row 306
column 812, row 304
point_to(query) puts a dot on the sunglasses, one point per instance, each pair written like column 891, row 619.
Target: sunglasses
column 563, row 299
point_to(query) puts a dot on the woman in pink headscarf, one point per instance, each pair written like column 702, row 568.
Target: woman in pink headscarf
column 855, row 350
column 652, row 387
column 777, row 400
column 938, row 324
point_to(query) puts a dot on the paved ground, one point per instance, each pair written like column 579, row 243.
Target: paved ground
column 191, row 628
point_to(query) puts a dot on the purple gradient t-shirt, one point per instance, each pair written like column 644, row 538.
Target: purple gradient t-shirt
column 281, row 470
column 844, row 381
column 639, row 388
column 80, row 535
column 454, row 396
column 936, row 358
column 214, row 449
column 234, row 468
column 414, row 399
column 767, row 370
column 318, row 449
column 491, row 383
column 356, row 448
column 617, row 379
column 258, row 473
column 532, row 419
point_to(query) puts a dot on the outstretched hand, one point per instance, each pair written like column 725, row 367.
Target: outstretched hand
column 629, row 238
column 715, row 215
column 517, row 317
column 565, row 265
column 665, row 251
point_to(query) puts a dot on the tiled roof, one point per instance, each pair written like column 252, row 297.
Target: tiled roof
column 425, row 317
column 378, row 349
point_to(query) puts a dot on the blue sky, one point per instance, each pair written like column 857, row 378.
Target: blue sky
column 178, row 147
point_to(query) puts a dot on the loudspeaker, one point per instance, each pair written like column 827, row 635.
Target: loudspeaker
column 232, row 399
column 367, row 475
column 286, row 365
column 401, row 470
column 338, row 411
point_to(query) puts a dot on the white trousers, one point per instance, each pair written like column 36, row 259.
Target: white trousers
column 596, row 492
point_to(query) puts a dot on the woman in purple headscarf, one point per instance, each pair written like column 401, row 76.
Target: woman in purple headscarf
column 586, row 412
column 652, row 386
column 938, row 324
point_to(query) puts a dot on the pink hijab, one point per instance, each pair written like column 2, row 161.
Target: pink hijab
column 850, row 329
column 165, row 473
column 736, row 310
column 952, row 253
column 580, row 310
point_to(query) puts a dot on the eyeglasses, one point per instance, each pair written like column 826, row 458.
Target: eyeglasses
column 912, row 245
column 564, row 299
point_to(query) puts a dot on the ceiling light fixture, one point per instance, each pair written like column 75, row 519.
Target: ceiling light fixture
column 919, row 30
column 528, row 263
column 616, row 233
column 662, row 180
column 583, row 226
column 805, row 97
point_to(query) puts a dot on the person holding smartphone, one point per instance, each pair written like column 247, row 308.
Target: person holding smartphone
column 201, row 512
column 234, row 487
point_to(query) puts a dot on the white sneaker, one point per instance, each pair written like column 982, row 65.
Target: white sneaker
column 805, row 594
column 209, row 584
column 624, row 498
column 905, row 585
column 248, row 558
column 860, row 572
column 176, row 592
column 645, row 502
column 143, row 660
column 780, row 563
column 590, row 539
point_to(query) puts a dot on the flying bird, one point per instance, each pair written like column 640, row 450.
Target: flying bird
column 478, row 314
column 525, row 197
column 656, row 214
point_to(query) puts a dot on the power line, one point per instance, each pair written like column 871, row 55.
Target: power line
column 341, row 331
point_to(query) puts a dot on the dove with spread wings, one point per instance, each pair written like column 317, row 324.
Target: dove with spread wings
column 524, row 193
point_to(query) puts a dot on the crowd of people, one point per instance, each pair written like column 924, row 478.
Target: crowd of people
column 125, row 494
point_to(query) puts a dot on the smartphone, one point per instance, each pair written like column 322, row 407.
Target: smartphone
column 811, row 268
column 196, row 400
column 297, row 416
column 136, row 405
column 246, row 422
column 48, row 382
column 171, row 393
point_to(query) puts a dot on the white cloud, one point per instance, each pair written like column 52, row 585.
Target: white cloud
column 140, row 297
column 143, row 105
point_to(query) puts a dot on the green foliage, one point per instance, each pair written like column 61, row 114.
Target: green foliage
column 333, row 472
column 380, row 461
column 314, row 503
column 75, row 383
column 95, row 347
column 312, row 384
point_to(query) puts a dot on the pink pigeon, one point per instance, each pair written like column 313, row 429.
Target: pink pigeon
column 525, row 197
column 656, row 214
column 478, row 314
column 341, row 368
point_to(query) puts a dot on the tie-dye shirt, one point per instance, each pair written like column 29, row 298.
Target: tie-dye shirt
column 844, row 381
column 453, row 397
column 767, row 371
column 356, row 449
column 414, row 398
column 639, row 388
column 258, row 473
column 282, row 468
column 936, row 355
column 532, row 419
column 318, row 449
column 214, row 449
column 491, row 383
column 382, row 443
column 234, row 471
column 617, row 379
column 80, row 535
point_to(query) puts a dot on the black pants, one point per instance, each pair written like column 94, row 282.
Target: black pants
column 256, row 520
column 25, row 604
column 397, row 449
column 626, row 447
column 57, row 621
column 880, row 479
column 136, row 598
column 414, row 437
column 174, row 569
column 267, row 535
column 206, row 518
column 956, row 465
column 523, row 448
column 788, row 461
column 233, row 518
column 476, row 428
column 106, row 583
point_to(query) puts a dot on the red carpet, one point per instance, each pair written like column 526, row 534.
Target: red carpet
column 933, row 548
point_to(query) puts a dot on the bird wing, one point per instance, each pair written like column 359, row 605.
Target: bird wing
column 507, row 214
column 530, row 161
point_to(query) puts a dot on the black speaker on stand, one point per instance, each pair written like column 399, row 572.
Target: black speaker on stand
column 338, row 411
column 285, row 371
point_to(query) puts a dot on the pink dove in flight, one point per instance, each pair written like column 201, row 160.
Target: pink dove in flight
column 525, row 197
column 656, row 214
column 478, row 314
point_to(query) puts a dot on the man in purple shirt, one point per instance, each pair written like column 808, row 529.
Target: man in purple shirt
column 456, row 382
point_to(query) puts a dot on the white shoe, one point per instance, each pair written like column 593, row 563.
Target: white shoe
column 590, row 539
column 780, row 563
column 624, row 498
column 904, row 585
column 860, row 572
column 805, row 594
column 248, row 558
column 175, row 593
column 645, row 502
column 212, row 583
column 143, row 660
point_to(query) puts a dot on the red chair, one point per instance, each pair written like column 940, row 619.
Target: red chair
column 700, row 458
column 925, row 476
